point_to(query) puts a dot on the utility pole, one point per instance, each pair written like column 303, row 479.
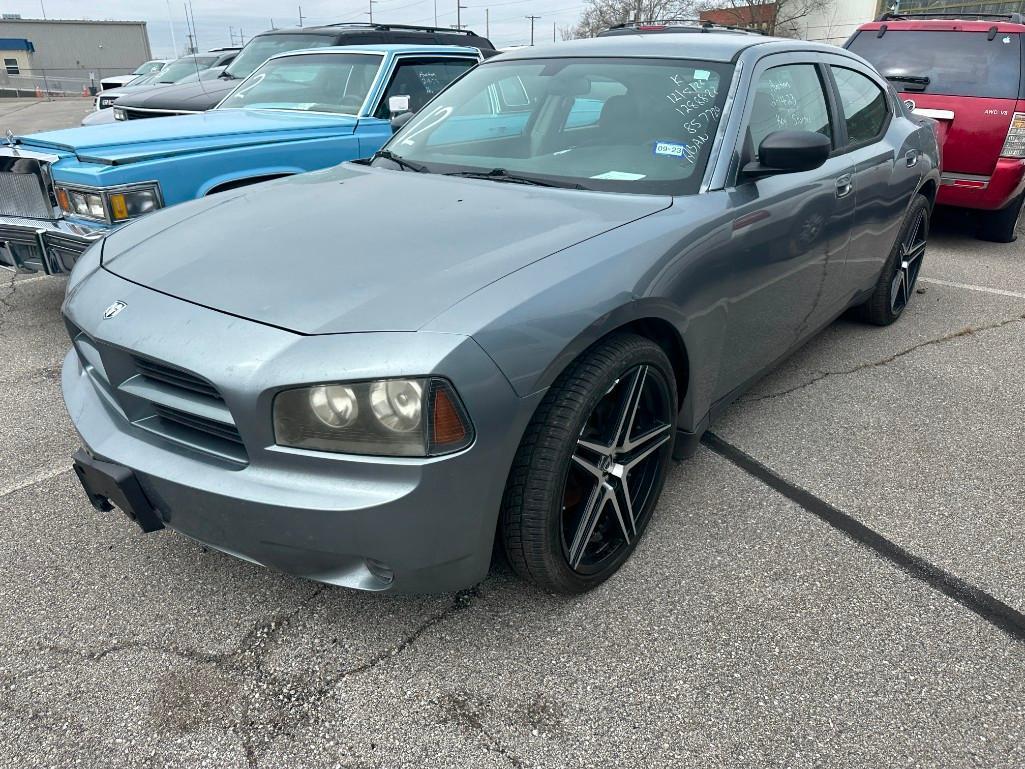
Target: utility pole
column 300, row 16
column 241, row 36
column 459, row 18
column 371, row 4
column 532, row 20
column 43, row 8
column 553, row 33
column 487, row 23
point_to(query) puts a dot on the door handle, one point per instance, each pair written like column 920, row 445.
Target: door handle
column 844, row 185
column 911, row 158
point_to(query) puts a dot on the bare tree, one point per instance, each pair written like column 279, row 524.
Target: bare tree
column 776, row 17
column 602, row 14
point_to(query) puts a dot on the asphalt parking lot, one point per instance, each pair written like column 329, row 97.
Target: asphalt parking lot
column 869, row 616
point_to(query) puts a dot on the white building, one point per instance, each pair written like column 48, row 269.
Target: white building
column 836, row 21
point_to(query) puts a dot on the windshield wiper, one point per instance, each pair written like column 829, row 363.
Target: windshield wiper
column 398, row 160
column 501, row 175
column 913, row 82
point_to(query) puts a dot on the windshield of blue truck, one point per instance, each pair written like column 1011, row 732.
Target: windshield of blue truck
column 263, row 47
column 316, row 82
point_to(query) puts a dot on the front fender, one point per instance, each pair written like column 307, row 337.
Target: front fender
column 670, row 267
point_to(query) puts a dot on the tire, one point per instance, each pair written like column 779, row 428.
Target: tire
column 606, row 424
column 896, row 283
column 999, row 226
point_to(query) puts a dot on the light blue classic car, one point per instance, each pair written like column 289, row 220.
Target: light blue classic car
column 60, row 191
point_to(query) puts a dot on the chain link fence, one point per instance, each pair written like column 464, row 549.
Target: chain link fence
column 16, row 81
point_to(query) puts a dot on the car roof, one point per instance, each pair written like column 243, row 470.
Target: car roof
column 713, row 46
column 384, row 48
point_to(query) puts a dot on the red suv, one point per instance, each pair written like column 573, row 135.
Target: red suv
column 966, row 73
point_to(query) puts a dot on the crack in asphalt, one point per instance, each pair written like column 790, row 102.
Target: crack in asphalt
column 291, row 702
column 10, row 287
column 967, row 331
column 465, row 714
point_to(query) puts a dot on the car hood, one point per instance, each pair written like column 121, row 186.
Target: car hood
column 182, row 97
column 354, row 249
column 131, row 141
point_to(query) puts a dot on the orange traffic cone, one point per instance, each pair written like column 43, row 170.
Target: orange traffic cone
column 85, row 91
column 39, row 92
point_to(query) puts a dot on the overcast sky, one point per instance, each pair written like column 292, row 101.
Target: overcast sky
column 214, row 17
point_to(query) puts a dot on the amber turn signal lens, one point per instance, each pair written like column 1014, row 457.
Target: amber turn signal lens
column 62, row 200
column 118, row 207
column 447, row 425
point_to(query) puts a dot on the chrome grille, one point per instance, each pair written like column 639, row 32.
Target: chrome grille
column 21, row 194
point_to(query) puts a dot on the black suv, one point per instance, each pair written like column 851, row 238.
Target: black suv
column 187, row 98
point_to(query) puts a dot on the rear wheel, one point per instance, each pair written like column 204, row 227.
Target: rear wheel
column 897, row 281
column 591, row 466
column 1001, row 226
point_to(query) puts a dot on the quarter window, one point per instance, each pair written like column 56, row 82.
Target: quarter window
column 864, row 105
column 788, row 98
column 11, row 65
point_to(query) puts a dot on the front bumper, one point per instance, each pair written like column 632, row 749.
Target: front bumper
column 340, row 519
column 52, row 247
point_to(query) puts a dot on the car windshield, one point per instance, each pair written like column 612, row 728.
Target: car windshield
column 143, row 79
column 189, row 65
column 263, row 47
column 951, row 63
column 619, row 124
column 321, row 82
column 148, row 67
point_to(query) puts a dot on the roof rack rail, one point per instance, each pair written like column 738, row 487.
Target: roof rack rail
column 1013, row 18
column 405, row 27
column 702, row 23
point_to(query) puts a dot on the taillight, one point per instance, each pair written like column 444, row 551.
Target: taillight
column 1014, row 144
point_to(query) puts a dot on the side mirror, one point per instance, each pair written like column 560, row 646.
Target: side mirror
column 400, row 120
column 784, row 152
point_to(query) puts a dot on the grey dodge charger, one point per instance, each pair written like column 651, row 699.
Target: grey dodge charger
column 504, row 326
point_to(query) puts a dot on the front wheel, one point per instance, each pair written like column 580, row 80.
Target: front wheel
column 591, row 466
column 896, row 283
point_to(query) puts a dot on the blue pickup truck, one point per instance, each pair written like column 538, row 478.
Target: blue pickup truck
column 60, row 191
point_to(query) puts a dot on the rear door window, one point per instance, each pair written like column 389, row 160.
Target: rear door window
column 955, row 63
column 864, row 105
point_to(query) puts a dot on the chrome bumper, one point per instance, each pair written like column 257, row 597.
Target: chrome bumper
column 52, row 247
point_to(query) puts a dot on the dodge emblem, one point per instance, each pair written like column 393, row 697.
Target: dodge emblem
column 114, row 309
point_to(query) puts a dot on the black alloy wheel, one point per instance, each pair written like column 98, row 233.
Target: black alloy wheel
column 615, row 469
column 591, row 466
column 909, row 262
column 896, row 283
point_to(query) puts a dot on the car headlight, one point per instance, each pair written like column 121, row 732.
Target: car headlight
column 392, row 417
column 128, row 204
column 114, row 206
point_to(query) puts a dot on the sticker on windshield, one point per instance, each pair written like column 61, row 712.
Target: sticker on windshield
column 619, row 176
column 670, row 149
column 701, row 74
